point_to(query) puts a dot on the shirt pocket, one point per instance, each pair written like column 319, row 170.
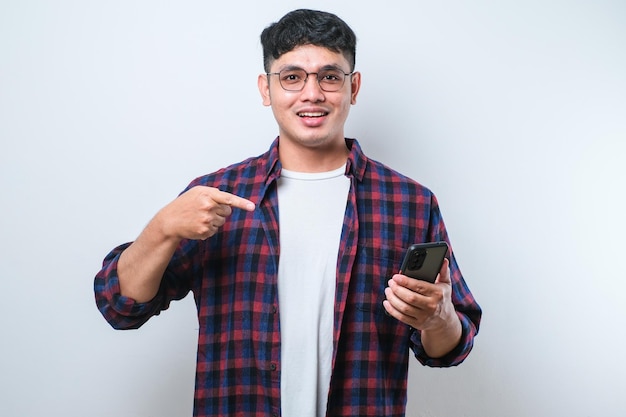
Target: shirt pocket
column 374, row 266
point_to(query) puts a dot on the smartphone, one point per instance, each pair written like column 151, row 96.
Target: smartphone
column 423, row 260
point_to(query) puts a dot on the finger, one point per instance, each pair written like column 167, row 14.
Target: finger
column 404, row 296
column 218, row 221
column 223, row 197
column 223, row 210
column 391, row 311
column 398, row 308
column 413, row 284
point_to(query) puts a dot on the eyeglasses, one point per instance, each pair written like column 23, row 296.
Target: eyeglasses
column 294, row 79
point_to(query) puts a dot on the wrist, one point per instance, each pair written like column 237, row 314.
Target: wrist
column 440, row 340
column 161, row 230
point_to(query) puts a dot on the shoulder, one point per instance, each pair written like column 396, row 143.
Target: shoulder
column 380, row 175
column 247, row 172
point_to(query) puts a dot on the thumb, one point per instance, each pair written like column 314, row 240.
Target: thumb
column 444, row 273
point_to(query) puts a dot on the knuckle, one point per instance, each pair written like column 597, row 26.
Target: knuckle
column 202, row 231
column 431, row 307
column 412, row 298
column 404, row 309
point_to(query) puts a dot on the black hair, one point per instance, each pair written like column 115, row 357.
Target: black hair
column 307, row 27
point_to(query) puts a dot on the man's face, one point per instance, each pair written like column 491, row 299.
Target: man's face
column 310, row 118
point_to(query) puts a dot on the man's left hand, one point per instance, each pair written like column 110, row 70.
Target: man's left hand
column 426, row 307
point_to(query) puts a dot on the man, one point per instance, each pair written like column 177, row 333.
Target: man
column 292, row 256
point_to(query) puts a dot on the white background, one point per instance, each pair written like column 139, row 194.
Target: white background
column 512, row 112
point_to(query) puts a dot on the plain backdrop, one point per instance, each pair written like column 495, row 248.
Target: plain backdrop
column 512, row 112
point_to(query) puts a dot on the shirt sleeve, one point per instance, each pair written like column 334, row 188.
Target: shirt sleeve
column 124, row 312
column 467, row 309
column 454, row 357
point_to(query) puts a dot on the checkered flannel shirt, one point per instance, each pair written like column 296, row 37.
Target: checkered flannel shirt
column 233, row 276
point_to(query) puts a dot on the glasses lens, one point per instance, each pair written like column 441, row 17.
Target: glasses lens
column 292, row 79
column 331, row 80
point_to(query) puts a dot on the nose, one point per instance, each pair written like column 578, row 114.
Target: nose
column 312, row 90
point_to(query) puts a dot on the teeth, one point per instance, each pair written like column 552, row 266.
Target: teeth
column 317, row 114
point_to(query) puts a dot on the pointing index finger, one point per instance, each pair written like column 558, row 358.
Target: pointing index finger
column 223, row 197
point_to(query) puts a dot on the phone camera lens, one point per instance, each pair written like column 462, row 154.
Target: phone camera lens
column 417, row 260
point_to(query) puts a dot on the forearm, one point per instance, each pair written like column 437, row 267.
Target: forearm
column 142, row 265
column 196, row 214
column 438, row 342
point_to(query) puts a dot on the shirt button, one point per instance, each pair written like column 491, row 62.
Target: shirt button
column 273, row 366
column 274, row 309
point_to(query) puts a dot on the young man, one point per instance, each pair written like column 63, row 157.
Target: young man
column 292, row 256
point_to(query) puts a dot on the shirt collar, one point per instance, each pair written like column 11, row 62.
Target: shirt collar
column 355, row 166
column 357, row 161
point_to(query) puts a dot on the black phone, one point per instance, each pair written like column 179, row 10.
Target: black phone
column 423, row 260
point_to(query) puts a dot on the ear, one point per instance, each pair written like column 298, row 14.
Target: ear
column 264, row 89
column 355, row 85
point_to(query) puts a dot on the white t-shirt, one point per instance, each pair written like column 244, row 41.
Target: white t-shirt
column 311, row 209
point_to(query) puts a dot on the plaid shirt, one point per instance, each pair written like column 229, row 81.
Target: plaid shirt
column 233, row 276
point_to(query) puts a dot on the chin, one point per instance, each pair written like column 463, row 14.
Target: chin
column 317, row 142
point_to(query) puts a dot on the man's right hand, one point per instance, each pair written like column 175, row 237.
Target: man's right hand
column 196, row 214
column 199, row 213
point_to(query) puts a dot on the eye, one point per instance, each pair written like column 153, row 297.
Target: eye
column 331, row 76
column 291, row 77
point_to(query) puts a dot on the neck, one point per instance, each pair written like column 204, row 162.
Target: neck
column 313, row 159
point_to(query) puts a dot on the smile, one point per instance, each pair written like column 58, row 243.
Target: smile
column 312, row 114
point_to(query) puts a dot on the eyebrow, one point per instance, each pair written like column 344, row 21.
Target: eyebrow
column 324, row 68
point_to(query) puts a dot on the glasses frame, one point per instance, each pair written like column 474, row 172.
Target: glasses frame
column 345, row 74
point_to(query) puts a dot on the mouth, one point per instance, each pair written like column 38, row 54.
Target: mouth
column 312, row 114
